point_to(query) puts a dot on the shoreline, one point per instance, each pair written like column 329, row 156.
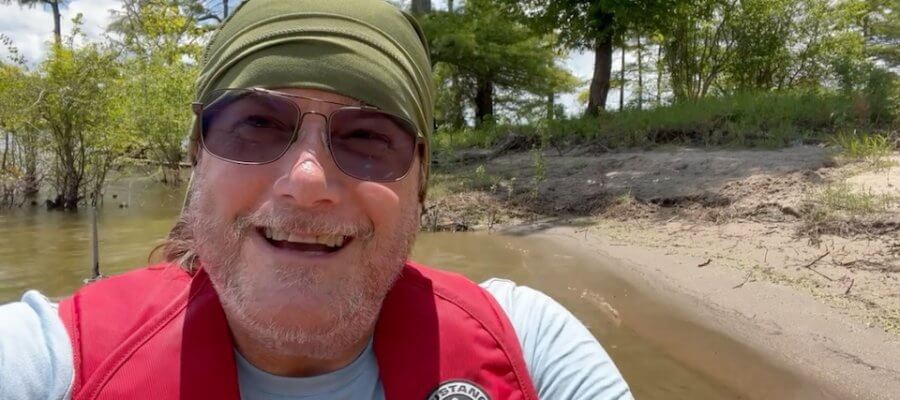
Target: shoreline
column 840, row 357
column 794, row 252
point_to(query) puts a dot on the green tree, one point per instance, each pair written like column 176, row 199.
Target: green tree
column 21, row 138
column 157, row 98
column 491, row 52
column 881, row 26
column 79, row 109
column 166, row 29
column 761, row 30
column 161, row 41
column 595, row 25
column 697, row 46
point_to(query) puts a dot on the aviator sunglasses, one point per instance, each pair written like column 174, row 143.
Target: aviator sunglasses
column 257, row 126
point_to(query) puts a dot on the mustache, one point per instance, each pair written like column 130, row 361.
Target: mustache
column 290, row 219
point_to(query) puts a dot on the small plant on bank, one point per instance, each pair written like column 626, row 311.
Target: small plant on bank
column 481, row 179
column 862, row 146
column 842, row 209
column 842, row 198
column 540, row 170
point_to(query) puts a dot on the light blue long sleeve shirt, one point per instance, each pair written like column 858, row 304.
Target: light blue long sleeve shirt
column 564, row 360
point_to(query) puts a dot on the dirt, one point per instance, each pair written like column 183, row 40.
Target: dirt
column 728, row 226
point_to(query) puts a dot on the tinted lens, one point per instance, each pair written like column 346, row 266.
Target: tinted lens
column 372, row 145
column 247, row 126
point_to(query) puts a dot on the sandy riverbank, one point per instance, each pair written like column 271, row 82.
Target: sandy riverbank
column 794, row 252
column 788, row 327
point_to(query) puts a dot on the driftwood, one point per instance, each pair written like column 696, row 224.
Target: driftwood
column 809, row 266
column 509, row 143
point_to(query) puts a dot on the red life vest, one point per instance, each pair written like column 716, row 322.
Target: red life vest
column 159, row 333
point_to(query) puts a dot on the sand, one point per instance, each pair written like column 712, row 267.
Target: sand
column 739, row 239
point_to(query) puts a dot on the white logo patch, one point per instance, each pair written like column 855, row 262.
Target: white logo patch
column 458, row 390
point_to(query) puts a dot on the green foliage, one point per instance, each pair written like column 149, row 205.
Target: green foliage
column 22, row 140
column 761, row 119
column 158, row 98
column 881, row 23
column 162, row 39
column 486, row 52
column 862, row 146
column 760, row 32
column 749, row 119
column 586, row 21
column 844, row 198
column 593, row 24
column 160, row 29
column 716, row 47
column 80, row 110
column 882, row 96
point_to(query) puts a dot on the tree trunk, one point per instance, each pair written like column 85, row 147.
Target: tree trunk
column 29, row 162
column 640, row 76
column 458, row 117
column 420, row 7
column 622, row 79
column 224, row 9
column 5, row 151
column 659, row 74
column 450, row 6
column 69, row 200
column 551, row 106
column 57, row 29
column 599, row 90
column 484, row 101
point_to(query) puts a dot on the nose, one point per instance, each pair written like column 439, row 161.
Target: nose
column 309, row 179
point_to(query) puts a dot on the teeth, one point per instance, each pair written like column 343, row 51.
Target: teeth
column 328, row 240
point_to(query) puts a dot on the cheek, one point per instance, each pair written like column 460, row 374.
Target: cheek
column 381, row 203
column 236, row 188
column 385, row 203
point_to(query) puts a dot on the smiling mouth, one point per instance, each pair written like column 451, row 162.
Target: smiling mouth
column 309, row 243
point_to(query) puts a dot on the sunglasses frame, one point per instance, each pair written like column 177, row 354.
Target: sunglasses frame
column 419, row 145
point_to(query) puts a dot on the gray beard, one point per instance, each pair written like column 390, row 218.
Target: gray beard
column 354, row 303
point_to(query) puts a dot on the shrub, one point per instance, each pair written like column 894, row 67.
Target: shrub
column 767, row 119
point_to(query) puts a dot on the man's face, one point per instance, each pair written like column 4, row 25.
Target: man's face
column 266, row 234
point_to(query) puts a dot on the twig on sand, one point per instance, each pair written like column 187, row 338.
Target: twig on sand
column 708, row 261
column 846, row 292
column 746, row 279
column 809, row 266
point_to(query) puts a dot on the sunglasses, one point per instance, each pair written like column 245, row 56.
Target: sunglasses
column 257, row 126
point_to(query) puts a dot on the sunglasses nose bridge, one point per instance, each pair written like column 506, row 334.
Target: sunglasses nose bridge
column 322, row 130
column 312, row 138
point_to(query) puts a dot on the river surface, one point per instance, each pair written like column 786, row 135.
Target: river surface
column 50, row 252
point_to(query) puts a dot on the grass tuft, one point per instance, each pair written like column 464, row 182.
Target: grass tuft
column 862, row 146
column 841, row 209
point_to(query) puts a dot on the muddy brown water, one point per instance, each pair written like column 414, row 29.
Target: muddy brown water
column 49, row 251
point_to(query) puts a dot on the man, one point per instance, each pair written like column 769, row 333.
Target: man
column 286, row 274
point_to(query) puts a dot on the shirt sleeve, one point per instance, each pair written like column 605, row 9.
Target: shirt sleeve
column 564, row 359
column 35, row 353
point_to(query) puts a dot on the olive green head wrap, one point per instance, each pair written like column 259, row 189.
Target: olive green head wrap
column 365, row 49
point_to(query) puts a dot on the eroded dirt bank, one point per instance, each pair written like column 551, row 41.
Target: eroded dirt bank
column 793, row 251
